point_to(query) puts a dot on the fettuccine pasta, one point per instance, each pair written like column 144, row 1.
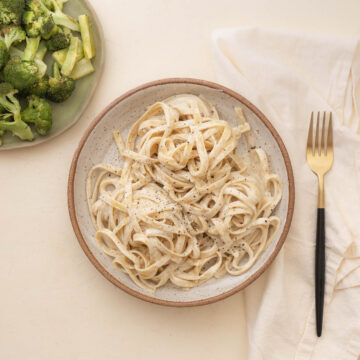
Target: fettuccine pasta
column 184, row 206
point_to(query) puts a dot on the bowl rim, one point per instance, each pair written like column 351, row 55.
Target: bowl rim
column 91, row 256
column 98, row 75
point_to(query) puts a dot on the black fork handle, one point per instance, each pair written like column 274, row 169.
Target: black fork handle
column 320, row 269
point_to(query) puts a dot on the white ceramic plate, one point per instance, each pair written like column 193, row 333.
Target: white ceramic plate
column 97, row 146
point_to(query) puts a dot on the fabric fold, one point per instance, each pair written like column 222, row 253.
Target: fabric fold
column 287, row 75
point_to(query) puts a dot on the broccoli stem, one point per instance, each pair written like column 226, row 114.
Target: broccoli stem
column 82, row 68
column 32, row 45
column 80, row 52
column 59, row 17
column 39, row 56
column 41, row 51
column 59, row 56
column 71, row 57
column 87, row 37
column 41, row 66
column 18, row 128
column 67, row 21
column 56, row 71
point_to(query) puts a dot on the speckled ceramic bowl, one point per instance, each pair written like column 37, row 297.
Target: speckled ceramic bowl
column 97, row 146
column 69, row 112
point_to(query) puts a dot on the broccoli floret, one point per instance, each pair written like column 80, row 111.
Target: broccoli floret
column 12, row 34
column 40, row 88
column 15, row 52
column 49, row 28
column 42, row 25
column 60, row 87
column 28, row 17
column 60, row 40
column 32, row 23
column 23, row 72
column 4, row 54
column 11, row 120
column 39, row 113
column 11, row 11
column 41, row 8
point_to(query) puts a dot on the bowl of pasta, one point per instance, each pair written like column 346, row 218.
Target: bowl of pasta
column 181, row 192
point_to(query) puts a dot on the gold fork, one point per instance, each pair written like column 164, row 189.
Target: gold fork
column 320, row 159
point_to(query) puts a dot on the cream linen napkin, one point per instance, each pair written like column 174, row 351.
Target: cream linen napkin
column 288, row 75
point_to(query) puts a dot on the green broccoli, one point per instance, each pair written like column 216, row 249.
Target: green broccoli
column 49, row 4
column 11, row 11
column 15, row 52
column 31, row 23
column 71, row 56
column 41, row 51
column 42, row 25
column 58, row 41
column 4, row 54
column 41, row 8
column 23, row 72
column 60, row 87
column 32, row 45
column 39, row 56
column 12, row 34
column 49, row 28
column 87, row 37
column 40, row 88
column 60, row 55
column 82, row 68
column 39, row 113
column 11, row 120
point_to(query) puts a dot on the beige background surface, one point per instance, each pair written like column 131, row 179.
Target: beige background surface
column 53, row 303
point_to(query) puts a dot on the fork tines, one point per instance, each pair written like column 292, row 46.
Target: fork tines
column 325, row 144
